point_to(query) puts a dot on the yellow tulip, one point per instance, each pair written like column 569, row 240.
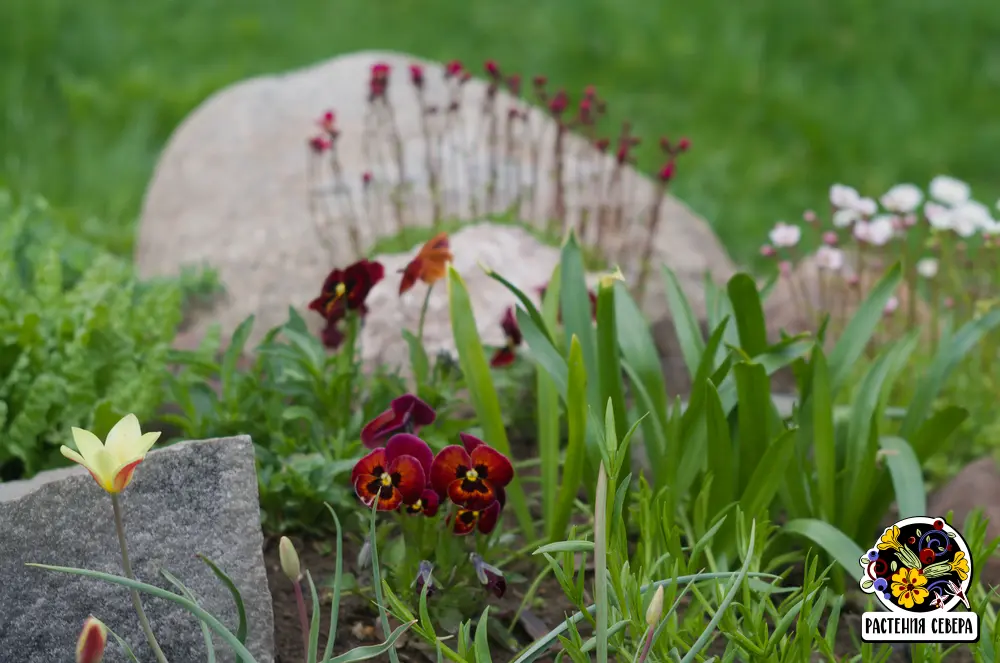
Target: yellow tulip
column 93, row 639
column 113, row 462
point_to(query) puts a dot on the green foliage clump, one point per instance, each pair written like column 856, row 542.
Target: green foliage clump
column 82, row 341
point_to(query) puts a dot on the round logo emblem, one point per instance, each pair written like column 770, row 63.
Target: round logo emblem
column 918, row 565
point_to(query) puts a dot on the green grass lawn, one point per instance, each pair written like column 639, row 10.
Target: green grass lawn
column 780, row 98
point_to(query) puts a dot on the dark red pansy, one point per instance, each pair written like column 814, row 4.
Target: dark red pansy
column 470, row 478
column 331, row 335
column 427, row 505
column 405, row 414
column 512, row 334
column 466, row 520
column 347, row 289
column 489, row 575
column 395, row 474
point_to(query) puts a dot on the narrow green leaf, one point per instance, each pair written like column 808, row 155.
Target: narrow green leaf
column 483, row 638
column 536, row 316
column 337, row 575
column 124, row 645
column 907, row 477
column 949, row 355
column 853, row 341
column 479, row 381
column 831, row 540
column 753, row 389
column 368, row 652
column 565, row 546
column 685, row 323
column 576, row 414
column 609, row 367
column 768, row 474
column 419, row 362
column 601, row 564
column 205, row 632
column 314, row 621
column 548, row 409
column 936, row 430
column 721, row 455
column 377, row 577
column 543, row 352
column 749, row 314
column 824, row 442
column 241, row 611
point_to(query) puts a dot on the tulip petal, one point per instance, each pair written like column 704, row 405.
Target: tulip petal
column 405, row 444
column 123, row 475
column 488, row 518
column 371, row 465
column 88, row 444
column 123, row 438
column 408, row 477
column 451, row 463
column 476, row 494
column 492, row 465
column 72, row 455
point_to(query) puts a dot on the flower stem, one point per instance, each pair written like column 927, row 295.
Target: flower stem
column 423, row 314
column 127, row 567
column 303, row 617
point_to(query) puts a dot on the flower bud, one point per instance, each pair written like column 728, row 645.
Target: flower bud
column 655, row 609
column 93, row 639
column 365, row 555
column 289, row 559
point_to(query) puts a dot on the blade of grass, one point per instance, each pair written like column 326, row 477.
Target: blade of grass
column 749, row 314
column 609, row 367
column 377, row 578
column 482, row 638
column 907, row 477
column 824, row 449
column 685, row 323
column 753, row 389
column 601, row 563
column 205, row 632
column 548, row 409
column 241, row 629
column 367, row 652
column 576, row 414
column 834, row 542
column 314, row 622
column 337, row 574
column 479, row 381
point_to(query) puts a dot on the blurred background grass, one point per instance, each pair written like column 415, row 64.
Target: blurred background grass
column 780, row 98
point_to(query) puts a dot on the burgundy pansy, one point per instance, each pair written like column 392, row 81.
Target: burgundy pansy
column 331, row 335
column 346, row 289
column 465, row 520
column 394, row 474
column 427, row 504
column 471, row 479
column 405, row 414
column 512, row 333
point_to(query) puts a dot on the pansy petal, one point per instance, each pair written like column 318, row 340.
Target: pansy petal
column 471, row 494
column 464, row 522
column 421, row 414
column 376, row 430
column 488, row 518
column 499, row 471
column 368, row 488
column 502, row 357
column 372, row 465
column 123, row 438
column 408, row 477
column 405, row 444
column 88, row 444
column 470, row 442
column 431, row 502
column 451, row 463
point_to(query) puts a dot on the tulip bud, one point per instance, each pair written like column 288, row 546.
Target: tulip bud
column 289, row 559
column 655, row 609
column 93, row 639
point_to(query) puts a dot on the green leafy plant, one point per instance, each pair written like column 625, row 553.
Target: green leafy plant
column 82, row 340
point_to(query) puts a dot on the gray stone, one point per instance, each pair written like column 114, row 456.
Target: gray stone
column 232, row 189
column 190, row 498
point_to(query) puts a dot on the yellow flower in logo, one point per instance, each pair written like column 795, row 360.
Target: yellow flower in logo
column 908, row 587
column 960, row 565
column 890, row 539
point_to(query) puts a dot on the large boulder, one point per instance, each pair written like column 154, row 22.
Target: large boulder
column 187, row 499
column 233, row 189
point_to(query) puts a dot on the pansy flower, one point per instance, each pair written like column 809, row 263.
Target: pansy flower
column 331, row 335
column 347, row 289
column 405, row 414
column 471, row 478
column 489, row 575
column 512, row 333
column 394, row 474
column 425, row 578
column 430, row 265
column 465, row 520
column 427, row 504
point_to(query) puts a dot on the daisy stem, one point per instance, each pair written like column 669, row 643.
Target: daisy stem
column 127, row 567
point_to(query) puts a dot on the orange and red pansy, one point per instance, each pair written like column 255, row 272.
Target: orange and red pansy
column 405, row 414
column 430, row 265
column 466, row 520
column 427, row 504
column 512, row 333
column 394, row 474
column 471, row 479
column 347, row 289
